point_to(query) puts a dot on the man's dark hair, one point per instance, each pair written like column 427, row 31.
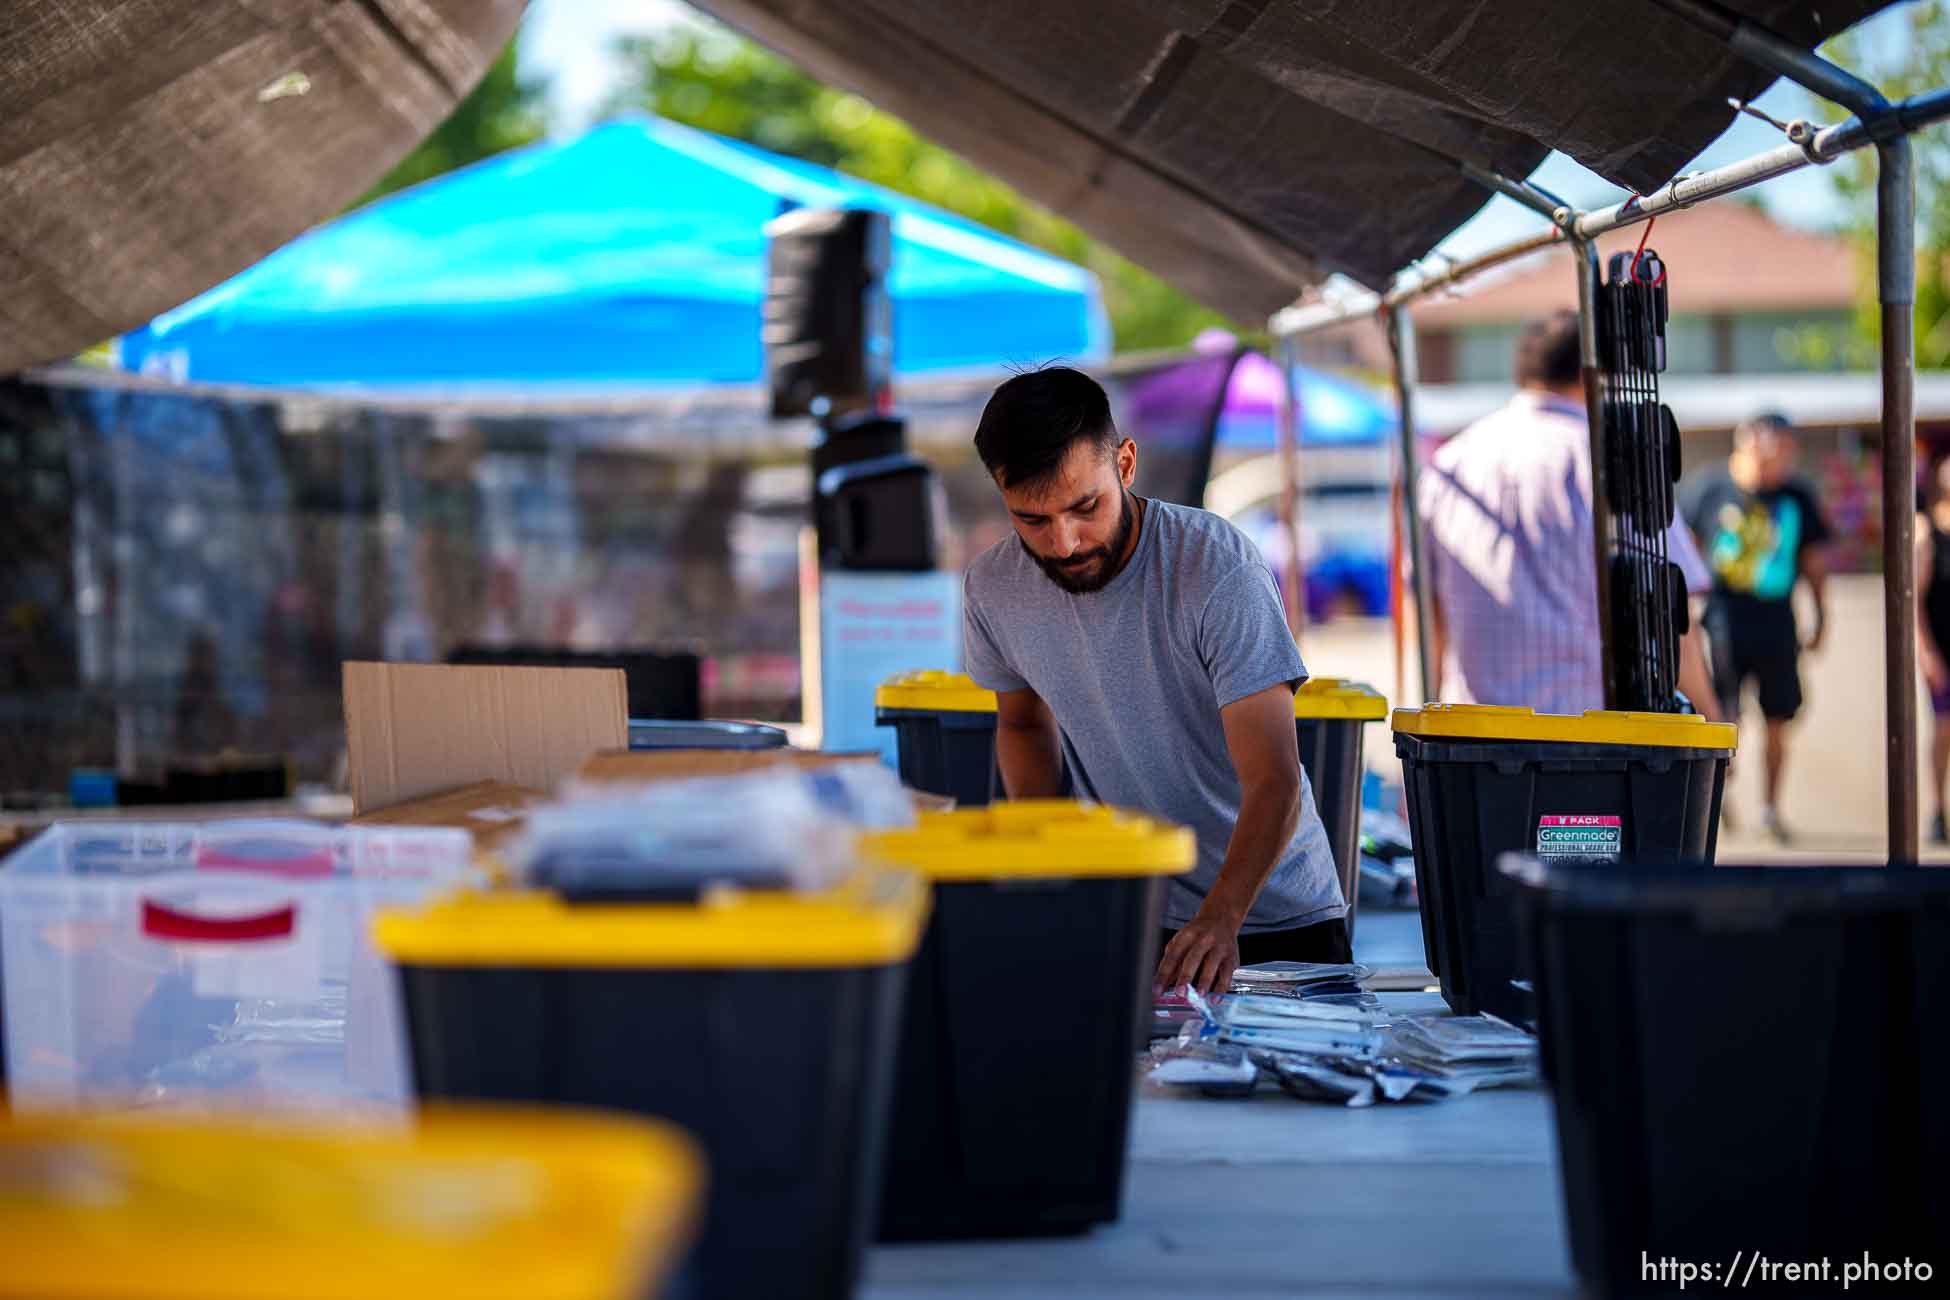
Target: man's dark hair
column 1765, row 422
column 1032, row 420
column 1548, row 353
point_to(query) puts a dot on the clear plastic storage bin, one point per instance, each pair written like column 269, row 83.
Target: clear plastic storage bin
column 223, row 964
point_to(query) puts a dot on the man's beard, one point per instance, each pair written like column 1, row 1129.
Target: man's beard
column 1091, row 570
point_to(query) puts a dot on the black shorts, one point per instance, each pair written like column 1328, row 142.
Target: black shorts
column 1772, row 658
column 1323, row 941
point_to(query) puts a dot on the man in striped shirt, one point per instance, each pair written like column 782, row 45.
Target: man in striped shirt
column 1506, row 511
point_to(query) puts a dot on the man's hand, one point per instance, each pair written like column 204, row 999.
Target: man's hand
column 1816, row 637
column 1203, row 954
column 1259, row 738
column 1935, row 672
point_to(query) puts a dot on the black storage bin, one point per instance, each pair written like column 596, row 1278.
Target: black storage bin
column 1330, row 717
column 231, row 779
column 1046, row 912
column 1483, row 781
column 848, row 441
column 944, row 727
column 663, row 733
column 880, row 514
column 765, row 1024
column 1746, row 1064
column 658, row 684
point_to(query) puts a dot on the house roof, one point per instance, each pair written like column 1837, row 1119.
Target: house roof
column 1725, row 258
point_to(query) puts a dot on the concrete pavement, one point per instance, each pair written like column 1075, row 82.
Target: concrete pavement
column 1278, row 1197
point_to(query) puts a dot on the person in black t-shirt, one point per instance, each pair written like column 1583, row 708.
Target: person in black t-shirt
column 1933, row 625
column 1761, row 530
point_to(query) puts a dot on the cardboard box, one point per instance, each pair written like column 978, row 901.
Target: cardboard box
column 420, row 729
column 646, row 766
column 490, row 811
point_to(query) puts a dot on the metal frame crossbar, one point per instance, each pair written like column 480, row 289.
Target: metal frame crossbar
column 1875, row 122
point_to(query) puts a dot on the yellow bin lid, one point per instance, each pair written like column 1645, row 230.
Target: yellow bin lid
column 1594, row 727
column 874, row 919
column 1336, row 697
column 486, row 1202
column 934, row 690
column 1036, row 839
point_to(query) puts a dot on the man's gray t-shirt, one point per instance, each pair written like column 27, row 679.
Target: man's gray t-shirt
column 1136, row 675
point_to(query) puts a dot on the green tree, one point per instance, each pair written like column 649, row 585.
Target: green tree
column 1924, row 67
column 500, row 113
column 707, row 76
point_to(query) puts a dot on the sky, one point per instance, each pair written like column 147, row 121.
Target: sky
column 565, row 45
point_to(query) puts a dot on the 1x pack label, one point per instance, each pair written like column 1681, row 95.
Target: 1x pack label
column 1580, row 835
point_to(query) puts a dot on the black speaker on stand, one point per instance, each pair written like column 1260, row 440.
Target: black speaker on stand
column 828, row 334
column 828, row 325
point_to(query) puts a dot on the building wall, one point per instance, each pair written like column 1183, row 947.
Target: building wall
column 1746, row 343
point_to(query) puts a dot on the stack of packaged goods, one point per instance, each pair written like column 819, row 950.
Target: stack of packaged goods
column 1339, row 1047
column 1463, row 1053
column 1319, row 983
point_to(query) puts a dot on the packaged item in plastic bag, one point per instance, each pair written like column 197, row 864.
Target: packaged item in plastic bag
column 1302, row 973
column 1170, row 1012
column 1290, row 1025
column 776, row 828
column 1301, row 979
column 1366, row 1003
column 864, row 794
column 1214, row 1068
column 1322, row 1079
column 1467, row 1038
column 1437, row 1057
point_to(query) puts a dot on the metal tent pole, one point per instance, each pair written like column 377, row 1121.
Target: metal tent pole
column 1887, row 126
column 1586, row 252
column 1896, row 286
column 1287, row 431
column 1401, row 342
column 1311, row 317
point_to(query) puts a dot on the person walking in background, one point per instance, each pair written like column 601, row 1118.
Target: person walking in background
column 1761, row 527
column 1506, row 512
column 1933, row 627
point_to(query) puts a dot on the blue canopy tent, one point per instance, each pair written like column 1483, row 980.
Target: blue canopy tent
column 1332, row 411
column 631, row 256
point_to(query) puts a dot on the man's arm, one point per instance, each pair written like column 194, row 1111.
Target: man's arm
column 1929, row 655
column 1028, row 747
column 1695, row 678
column 1816, row 532
column 1260, row 739
column 1814, row 571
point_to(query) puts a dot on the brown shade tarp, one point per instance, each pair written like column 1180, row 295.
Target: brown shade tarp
column 151, row 148
column 1245, row 148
